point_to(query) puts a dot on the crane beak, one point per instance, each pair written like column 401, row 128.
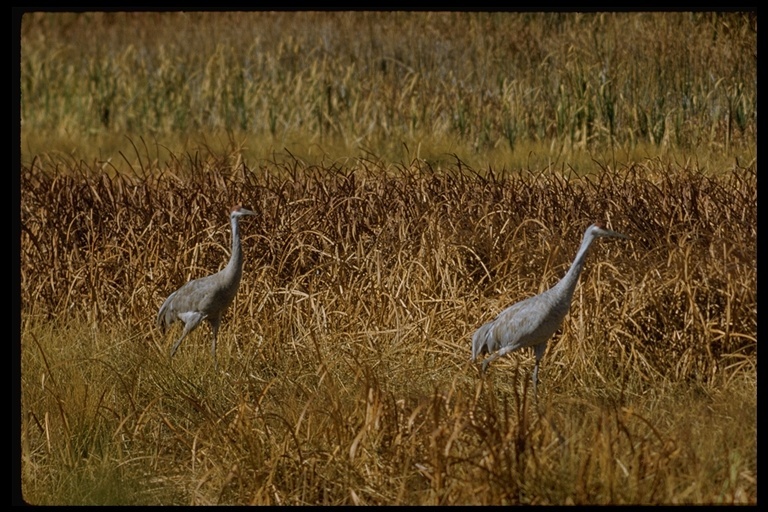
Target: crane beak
column 614, row 234
column 602, row 231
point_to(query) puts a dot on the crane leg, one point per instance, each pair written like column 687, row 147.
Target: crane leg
column 190, row 322
column 499, row 353
column 215, row 328
column 488, row 361
column 178, row 342
column 539, row 352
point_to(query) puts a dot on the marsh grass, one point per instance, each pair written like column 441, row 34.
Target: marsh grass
column 344, row 359
column 524, row 90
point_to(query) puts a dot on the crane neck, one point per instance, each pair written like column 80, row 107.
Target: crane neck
column 568, row 283
column 235, row 265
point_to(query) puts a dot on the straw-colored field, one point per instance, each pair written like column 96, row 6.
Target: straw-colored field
column 412, row 175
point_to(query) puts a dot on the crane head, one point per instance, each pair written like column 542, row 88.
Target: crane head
column 238, row 211
column 598, row 229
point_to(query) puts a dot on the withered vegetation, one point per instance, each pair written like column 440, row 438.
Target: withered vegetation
column 344, row 359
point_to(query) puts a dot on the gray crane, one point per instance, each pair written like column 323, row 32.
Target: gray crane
column 531, row 322
column 208, row 297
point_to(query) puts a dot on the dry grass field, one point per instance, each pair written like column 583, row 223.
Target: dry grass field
column 345, row 374
column 385, row 235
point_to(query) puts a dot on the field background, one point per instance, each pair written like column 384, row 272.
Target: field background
column 413, row 174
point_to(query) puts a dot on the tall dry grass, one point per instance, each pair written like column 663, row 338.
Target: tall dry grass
column 520, row 89
column 345, row 375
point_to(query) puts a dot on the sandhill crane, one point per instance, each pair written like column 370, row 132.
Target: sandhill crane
column 208, row 297
column 531, row 322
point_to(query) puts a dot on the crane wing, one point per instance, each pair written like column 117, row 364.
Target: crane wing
column 208, row 296
column 526, row 323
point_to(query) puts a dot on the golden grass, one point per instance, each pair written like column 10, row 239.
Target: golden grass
column 344, row 359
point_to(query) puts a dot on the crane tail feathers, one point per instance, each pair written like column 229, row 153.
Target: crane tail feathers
column 164, row 318
column 481, row 342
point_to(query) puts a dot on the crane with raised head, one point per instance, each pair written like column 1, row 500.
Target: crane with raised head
column 208, row 297
column 531, row 322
